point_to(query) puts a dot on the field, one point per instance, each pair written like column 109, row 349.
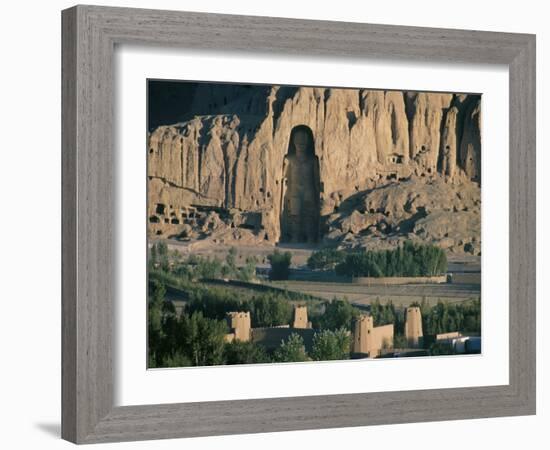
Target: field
column 465, row 270
column 399, row 295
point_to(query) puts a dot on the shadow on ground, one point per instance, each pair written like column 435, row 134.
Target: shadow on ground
column 53, row 429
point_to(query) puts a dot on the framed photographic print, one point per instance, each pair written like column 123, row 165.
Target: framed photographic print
column 265, row 229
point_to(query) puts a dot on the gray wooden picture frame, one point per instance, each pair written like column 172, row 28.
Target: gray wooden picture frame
column 90, row 34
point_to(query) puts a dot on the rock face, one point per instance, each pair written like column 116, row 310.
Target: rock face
column 428, row 210
column 235, row 158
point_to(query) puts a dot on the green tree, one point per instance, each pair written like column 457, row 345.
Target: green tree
column 291, row 350
column 400, row 341
column 331, row 345
column 157, row 292
column 326, row 258
column 383, row 314
column 248, row 271
column 153, row 258
column 202, row 339
column 438, row 349
column 162, row 252
column 280, row 265
column 360, row 265
column 471, row 316
column 214, row 303
column 208, row 268
column 231, row 259
column 338, row 314
column 238, row 352
column 169, row 322
column 178, row 359
column 409, row 260
column 269, row 310
column 266, row 309
column 229, row 269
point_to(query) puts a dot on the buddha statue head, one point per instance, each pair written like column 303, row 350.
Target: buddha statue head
column 302, row 142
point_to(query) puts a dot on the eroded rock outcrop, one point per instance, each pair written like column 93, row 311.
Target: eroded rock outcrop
column 418, row 209
column 230, row 157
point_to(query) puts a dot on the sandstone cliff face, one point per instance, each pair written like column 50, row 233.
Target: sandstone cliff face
column 229, row 157
column 418, row 209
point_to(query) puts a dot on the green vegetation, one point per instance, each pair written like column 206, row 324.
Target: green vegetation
column 339, row 314
column 440, row 348
column 382, row 314
column 203, row 339
column 409, row 260
column 386, row 314
column 280, row 265
column 331, row 345
column 159, row 256
column 230, row 270
column 209, row 288
column 291, row 350
column 155, row 319
column 445, row 317
column 245, row 353
column 267, row 309
column 197, row 335
column 327, row 258
column 195, row 267
column 183, row 340
column 173, row 360
column 399, row 341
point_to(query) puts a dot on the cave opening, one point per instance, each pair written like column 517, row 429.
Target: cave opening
column 300, row 208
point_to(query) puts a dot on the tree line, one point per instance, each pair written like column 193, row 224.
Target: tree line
column 445, row 317
column 196, row 267
column 408, row 260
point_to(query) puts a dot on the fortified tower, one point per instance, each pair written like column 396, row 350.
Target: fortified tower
column 361, row 334
column 413, row 326
column 300, row 317
column 371, row 340
column 239, row 323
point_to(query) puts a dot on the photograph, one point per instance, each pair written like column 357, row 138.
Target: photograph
column 262, row 225
column 294, row 224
